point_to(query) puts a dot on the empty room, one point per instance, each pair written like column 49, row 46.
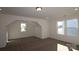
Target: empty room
column 39, row 28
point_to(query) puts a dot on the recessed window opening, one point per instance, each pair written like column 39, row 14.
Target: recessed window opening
column 60, row 27
column 23, row 27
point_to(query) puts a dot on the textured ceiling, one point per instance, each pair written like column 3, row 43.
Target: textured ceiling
column 46, row 13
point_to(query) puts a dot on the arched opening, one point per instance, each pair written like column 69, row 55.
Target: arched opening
column 14, row 29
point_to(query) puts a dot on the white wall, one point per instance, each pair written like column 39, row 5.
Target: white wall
column 37, row 30
column 53, row 30
column 2, row 37
column 48, row 28
column 32, row 29
column 8, row 19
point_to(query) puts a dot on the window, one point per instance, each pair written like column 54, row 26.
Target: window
column 72, row 27
column 60, row 27
column 23, row 27
column 68, row 27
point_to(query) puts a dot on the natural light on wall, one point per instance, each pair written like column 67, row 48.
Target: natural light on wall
column 62, row 48
column 60, row 26
column 23, row 27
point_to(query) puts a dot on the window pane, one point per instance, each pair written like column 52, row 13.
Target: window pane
column 60, row 25
column 72, row 23
column 72, row 27
column 72, row 31
column 23, row 27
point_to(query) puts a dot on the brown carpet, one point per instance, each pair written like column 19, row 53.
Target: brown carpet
column 32, row 44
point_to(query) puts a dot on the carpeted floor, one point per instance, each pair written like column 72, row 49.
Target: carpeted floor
column 32, row 44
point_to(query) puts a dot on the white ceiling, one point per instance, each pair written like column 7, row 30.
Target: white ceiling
column 47, row 12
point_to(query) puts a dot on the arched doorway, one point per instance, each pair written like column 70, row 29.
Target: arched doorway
column 14, row 29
